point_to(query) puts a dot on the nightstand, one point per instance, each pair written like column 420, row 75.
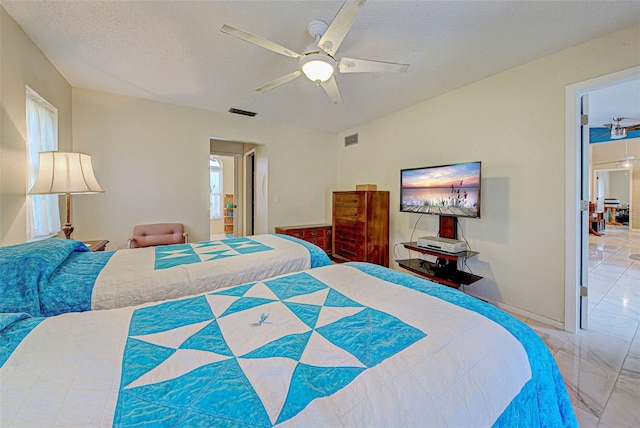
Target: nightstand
column 98, row 245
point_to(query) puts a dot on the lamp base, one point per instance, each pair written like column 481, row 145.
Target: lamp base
column 68, row 230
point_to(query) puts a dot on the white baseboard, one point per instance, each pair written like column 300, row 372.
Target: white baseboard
column 522, row 313
column 512, row 310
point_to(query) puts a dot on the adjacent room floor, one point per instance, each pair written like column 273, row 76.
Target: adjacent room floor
column 601, row 365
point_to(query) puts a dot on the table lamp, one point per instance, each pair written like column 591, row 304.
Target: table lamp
column 65, row 173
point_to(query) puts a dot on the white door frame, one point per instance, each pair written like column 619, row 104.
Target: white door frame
column 572, row 178
column 248, row 184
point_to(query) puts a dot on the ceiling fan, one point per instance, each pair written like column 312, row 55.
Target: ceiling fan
column 318, row 62
column 624, row 162
column 617, row 131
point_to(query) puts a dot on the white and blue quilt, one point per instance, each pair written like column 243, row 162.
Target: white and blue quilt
column 342, row 345
column 55, row 276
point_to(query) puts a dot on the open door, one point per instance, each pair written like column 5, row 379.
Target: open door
column 584, row 211
column 250, row 192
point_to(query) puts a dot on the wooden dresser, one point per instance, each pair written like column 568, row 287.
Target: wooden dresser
column 361, row 226
column 318, row 234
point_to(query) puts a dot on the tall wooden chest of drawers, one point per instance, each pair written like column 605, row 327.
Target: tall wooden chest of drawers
column 318, row 234
column 361, row 226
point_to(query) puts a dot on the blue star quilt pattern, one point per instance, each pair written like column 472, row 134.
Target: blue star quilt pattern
column 253, row 355
column 168, row 256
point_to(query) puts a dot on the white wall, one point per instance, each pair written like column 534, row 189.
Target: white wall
column 152, row 160
column 514, row 123
column 22, row 64
column 619, row 186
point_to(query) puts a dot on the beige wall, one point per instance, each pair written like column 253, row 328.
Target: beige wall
column 152, row 160
column 611, row 151
column 513, row 122
column 22, row 64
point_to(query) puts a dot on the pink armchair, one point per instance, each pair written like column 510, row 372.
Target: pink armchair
column 149, row 235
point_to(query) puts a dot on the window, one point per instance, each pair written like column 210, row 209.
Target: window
column 43, row 213
column 215, row 185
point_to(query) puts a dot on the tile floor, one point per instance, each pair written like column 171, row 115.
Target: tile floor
column 601, row 365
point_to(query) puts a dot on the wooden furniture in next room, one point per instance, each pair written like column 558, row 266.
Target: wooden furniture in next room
column 228, row 214
column 318, row 234
column 98, row 245
column 596, row 222
column 361, row 227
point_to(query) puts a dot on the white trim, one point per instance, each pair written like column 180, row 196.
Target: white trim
column 572, row 204
column 522, row 313
column 245, row 188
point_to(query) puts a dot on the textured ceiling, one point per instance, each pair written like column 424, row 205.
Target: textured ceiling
column 174, row 51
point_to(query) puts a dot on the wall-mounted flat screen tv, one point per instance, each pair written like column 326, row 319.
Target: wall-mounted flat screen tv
column 450, row 190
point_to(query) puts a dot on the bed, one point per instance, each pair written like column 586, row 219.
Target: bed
column 349, row 344
column 55, row 276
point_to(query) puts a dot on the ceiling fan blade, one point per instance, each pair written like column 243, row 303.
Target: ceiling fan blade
column 331, row 88
column 259, row 41
column 355, row 65
column 605, row 163
column 279, row 81
column 633, row 127
column 337, row 30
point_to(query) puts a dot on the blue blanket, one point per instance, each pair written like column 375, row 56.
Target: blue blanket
column 70, row 286
column 24, row 268
column 14, row 328
column 55, row 276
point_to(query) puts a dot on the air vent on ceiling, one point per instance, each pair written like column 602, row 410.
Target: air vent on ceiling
column 350, row 140
column 242, row 112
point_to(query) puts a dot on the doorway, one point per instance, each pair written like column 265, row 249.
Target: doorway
column 250, row 184
column 250, row 191
column 577, row 165
column 222, row 209
column 613, row 193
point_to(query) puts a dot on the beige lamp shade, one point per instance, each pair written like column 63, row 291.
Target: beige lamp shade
column 64, row 172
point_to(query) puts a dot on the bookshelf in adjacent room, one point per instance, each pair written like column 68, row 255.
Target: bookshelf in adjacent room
column 228, row 213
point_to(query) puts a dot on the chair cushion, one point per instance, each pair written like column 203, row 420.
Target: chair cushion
column 147, row 235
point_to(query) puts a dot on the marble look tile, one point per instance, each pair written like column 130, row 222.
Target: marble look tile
column 634, row 349
column 608, row 274
column 586, row 419
column 629, row 381
column 616, row 263
column 589, row 384
column 615, row 325
column 633, row 271
column 626, row 288
column 598, row 348
column 551, row 336
column 622, row 410
column 601, row 366
column 621, row 306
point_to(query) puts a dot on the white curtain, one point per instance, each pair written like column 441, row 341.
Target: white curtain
column 43, row 213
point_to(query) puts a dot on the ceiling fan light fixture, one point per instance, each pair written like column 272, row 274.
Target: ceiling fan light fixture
column 618, row 132
column 317, row 67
